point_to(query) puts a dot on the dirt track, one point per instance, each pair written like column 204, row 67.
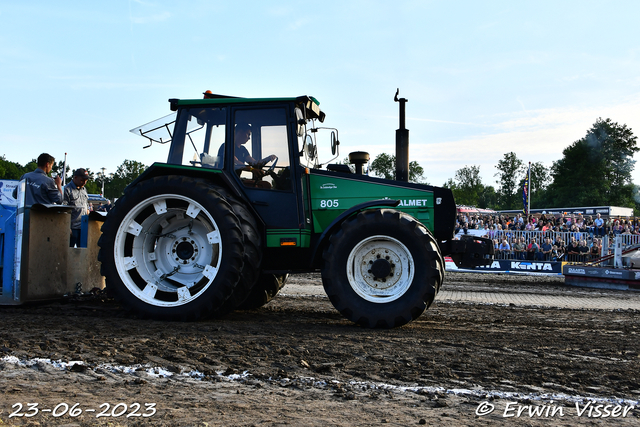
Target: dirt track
column 296, row 361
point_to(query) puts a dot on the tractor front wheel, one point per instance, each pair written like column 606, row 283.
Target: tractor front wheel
column 382, row 268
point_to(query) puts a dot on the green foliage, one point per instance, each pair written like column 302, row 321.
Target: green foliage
column 128, row 171
column 13, row 170
column 510, row 169
column 596, row 170
column 488, row 198
column 467, row 186
column 384, row 166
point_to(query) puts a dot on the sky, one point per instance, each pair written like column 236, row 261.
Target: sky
column 482, row 78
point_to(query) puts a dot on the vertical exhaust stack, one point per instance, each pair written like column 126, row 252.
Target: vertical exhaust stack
column 402, row 144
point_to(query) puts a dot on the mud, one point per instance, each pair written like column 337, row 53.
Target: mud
column 297, row 361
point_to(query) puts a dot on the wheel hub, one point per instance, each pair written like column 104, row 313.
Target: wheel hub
column 381, row 268
column 184, row 250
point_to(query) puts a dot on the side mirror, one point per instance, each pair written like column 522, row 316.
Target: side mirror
column 334, row 143
column 309, row 148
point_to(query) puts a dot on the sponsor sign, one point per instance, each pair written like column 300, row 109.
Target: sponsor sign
column 600, row 272
column 509, row 266
column 6, row 188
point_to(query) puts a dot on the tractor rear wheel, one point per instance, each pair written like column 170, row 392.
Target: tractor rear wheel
column 252, row 241
column 382, row 268
column 172, row 249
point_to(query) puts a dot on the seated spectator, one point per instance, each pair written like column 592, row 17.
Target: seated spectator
column 598, row 224
column 617, row 228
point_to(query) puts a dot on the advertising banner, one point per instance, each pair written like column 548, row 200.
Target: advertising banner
column 512, row 266
column 6, row 188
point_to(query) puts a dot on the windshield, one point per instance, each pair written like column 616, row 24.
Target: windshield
column 199, row 132
column 158, row 130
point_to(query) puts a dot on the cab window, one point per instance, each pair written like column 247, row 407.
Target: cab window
column 261, row 149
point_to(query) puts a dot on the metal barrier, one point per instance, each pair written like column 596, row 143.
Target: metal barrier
column 606, row 248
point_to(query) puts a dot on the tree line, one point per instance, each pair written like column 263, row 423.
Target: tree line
column 593, row 171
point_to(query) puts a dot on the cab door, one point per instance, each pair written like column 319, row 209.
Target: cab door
column 263, row 135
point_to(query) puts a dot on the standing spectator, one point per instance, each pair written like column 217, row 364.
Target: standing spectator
column 40, row 187
column 505, row 249
column 572, row 250
column 533, row 249
column 546, row 249
column 594, row 252
column 583, row 251
column 518, row 248
column 75, row 194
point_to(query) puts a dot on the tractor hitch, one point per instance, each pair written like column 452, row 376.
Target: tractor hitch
column 469, row 251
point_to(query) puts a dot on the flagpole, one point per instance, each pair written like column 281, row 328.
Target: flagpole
column 529, row 190
column 64, row 170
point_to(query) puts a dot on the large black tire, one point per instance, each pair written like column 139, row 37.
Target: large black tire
column 252, row 239
column 264, row 291
column 382, row 268
column 172, row 249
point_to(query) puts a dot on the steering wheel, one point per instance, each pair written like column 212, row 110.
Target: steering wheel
column 273, row 165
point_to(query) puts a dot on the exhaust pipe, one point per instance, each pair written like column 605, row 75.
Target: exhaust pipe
column 402, row 143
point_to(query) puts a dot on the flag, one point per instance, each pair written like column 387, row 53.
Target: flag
column 525, row 193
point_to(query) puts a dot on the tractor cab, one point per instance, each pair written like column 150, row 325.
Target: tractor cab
column 258, row 139
column 263, row 147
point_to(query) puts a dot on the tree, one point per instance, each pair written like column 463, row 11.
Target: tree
column 57, row 168
column 13, row 170
column 128, row 171
column 384, row 166
column 488, row 198
column 509, row 173
column 596, row 170
column 466, row 186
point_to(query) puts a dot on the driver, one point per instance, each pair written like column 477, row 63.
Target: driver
column 242, row 159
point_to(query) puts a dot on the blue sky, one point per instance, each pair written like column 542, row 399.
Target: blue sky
column 482, row 77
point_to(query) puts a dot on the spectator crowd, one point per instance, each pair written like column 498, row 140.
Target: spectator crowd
column 574, row 238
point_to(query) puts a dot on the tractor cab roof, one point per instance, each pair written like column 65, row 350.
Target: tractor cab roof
column 308, row 103
column 160, row 130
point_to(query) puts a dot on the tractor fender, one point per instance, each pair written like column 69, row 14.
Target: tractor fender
column 215, row 176
column 220, row 178
column 324, row 237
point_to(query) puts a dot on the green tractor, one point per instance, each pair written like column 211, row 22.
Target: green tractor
column 243, row 201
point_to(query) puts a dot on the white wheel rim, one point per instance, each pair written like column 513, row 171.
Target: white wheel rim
column 173, row 255
column 400, row 268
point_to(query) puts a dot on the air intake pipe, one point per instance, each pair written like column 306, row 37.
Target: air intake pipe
column 402, row 143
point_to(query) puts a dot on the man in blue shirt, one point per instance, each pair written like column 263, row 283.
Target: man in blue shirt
column 40, row 188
